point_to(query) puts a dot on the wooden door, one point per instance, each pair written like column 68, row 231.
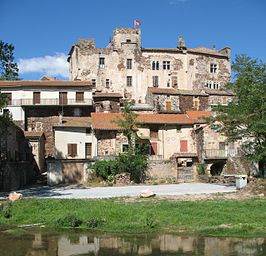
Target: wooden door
column 36, row 97
column 62, row 98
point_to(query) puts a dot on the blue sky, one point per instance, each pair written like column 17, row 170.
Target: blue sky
column 43, row 31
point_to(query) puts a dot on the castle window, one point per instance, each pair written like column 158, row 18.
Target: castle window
column 213, row 68
column 129, row 63
column 107, row 83
column 166, row 65
column 128, row 41
column 93, row 82
column 101, row 62
column 129, row 80
column 155, row 65
column 155, row 81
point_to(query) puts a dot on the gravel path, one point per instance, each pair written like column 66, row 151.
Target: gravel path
column 76, row 191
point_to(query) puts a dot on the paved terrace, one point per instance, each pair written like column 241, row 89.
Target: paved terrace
column 78, row 192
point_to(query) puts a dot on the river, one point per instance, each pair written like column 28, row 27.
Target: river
column 43, row 243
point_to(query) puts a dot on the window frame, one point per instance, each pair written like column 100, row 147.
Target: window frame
column 155, row 81
column 72, row 149
column 213, row 68
column 166, row 65
column 129, row 63
column 129, row 81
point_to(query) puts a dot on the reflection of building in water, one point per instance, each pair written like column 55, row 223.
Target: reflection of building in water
column 76, row 244
column 66, row 247
column 173, row 243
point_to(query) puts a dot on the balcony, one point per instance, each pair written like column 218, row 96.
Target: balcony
column 219, row 153
column 50, row 102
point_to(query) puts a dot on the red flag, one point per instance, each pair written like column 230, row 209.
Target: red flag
column 137, row 23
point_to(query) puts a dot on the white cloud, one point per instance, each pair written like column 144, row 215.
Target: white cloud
column 56, row 65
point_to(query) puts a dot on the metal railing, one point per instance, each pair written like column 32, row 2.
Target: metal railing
column 47, row 102
column 219, row 153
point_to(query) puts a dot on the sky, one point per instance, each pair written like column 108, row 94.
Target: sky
column 43, row 31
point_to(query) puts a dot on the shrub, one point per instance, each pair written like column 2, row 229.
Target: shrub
column 135, row 164
column 69, row 220
column 95, row 222
column 105, row 168
column 5, row 209
column 201, row 168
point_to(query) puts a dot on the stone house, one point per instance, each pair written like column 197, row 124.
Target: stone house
column 37, row 106
column 125, row 67
column 17, row 165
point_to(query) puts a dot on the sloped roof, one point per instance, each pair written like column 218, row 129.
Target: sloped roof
column 45, row 83
column 107, row 121
column 199, row 116
column 35, row 134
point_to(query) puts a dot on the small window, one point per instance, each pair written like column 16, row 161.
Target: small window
column 155, row 81
column 155, row 65
column 129, row 63
column 93, row 82
column 36, row 97
column 213, row 67
column 196, row 102
column 128, row 41
column 88, row 150
column 129, row 80
column 166, row 65
column 72, row 150
column 107, row 83
column 125, row 148
column 79, row 96
column 101, row 62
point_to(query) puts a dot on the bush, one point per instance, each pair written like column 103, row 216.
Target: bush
column 201, row 169
column 68, row 220
column 105, row 168
column 95, row 222
column 135, row 164
column 5, row 209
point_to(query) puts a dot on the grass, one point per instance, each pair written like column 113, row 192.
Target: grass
column 246, row 218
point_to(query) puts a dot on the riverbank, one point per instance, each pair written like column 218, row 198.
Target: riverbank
column 217, row 217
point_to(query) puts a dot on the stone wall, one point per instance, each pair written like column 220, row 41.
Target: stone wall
column 163, row 170
column 16, row 175
column 186, row 103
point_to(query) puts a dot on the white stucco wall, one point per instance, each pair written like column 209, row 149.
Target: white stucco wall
column 65, row 136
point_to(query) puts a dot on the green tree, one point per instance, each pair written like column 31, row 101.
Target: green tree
column 8, row 68
column 128, row 124
column 245, row 117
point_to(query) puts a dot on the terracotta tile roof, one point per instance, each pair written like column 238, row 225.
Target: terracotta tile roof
column 45, row 83
column 199, row 116
column 172, row 91
column 75, row 121
column 30, row 134
column 106, row 121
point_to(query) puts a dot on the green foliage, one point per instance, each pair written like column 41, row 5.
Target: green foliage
column 95, row 222
column 5, row 209
column 135, row 164
column 150, row 220
column 201, row 169
column 245, row 117
column 198, row 217
column 105, row 168
column 68, row 220
column 128, row 124
column 8, row 69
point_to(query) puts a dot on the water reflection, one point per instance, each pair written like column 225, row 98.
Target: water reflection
column 43, row 244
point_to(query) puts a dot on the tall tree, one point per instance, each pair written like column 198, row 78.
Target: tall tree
column 8, row 68
column 128, row 124
column 245, row 117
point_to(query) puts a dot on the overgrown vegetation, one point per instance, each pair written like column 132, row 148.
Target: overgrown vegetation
column 134, row 161
column 201, row 169
column 207, row 217
column 245, row 117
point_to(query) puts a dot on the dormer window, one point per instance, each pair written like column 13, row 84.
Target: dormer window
column 213, row 68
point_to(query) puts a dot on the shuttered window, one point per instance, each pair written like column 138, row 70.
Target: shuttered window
column 79, row 96
column 88, row 150
column 183, row 146
column 72, row 150
column 36, row 97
